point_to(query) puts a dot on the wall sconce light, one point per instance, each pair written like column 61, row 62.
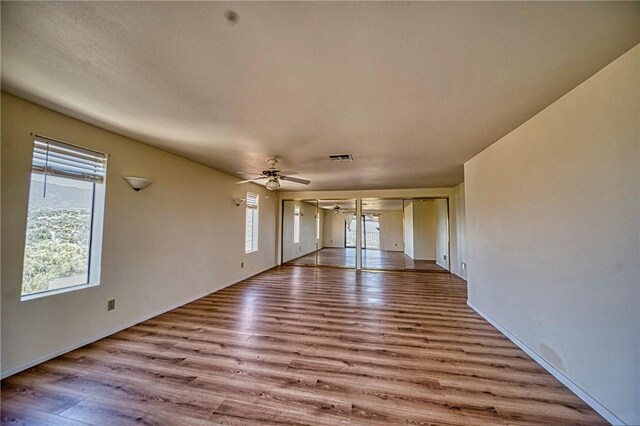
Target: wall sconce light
column 138, row 183
column 238, row 201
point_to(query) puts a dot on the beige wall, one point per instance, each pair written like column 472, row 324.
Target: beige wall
column 179, row 239
column 391, row 238
column 553, row 228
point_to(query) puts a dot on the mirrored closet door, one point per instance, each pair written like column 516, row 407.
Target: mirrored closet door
column 382, row 234
column 426, row 234
column 300, row 232
column 337, row 230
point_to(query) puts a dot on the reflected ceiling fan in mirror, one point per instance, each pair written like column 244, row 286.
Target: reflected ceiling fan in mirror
column 273, row 176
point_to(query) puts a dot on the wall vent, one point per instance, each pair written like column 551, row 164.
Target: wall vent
column 341, row 157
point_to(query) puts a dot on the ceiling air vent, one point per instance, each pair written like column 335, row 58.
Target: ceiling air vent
column 341, row 157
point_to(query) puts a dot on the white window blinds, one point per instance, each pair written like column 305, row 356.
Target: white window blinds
column 252, row 200
column 60, row 159
column 251, row 230
column 296, row 224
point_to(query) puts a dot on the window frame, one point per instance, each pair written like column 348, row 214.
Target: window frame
column 254, row 208
column 296, row 224
column 94, row 256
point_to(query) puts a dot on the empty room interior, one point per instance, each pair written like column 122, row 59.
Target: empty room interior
column 320, row 213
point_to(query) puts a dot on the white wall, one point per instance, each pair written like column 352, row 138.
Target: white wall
column 334, row 229
column 408, row 230
column 553, row 228
column 391, row 238
column 179, row 239
column 308, row 235
column 442, row 233
column 459, row 232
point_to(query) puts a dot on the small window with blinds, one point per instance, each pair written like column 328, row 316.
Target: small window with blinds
column 251, row 227
column 64, row 219
column 296, row 224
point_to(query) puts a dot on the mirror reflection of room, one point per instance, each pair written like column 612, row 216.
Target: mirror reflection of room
column 382, row 234
column 426, row 235
column 338, row 248
column 301, row 235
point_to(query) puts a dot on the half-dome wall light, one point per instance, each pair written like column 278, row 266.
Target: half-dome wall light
column 138, row 183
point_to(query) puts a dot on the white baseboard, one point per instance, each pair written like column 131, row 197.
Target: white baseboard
column 580, row 393
column 75, row 345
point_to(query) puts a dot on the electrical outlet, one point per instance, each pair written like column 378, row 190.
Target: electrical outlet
column 444, row 256
column 111, row 304
column 242, row 264
column 464, row 266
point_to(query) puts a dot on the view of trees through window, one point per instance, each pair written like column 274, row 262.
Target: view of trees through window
column 58, row 233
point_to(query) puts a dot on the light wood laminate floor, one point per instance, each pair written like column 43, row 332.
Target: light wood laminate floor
column 302, row 346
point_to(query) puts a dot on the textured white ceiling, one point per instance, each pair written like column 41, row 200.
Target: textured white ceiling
column 412, row 90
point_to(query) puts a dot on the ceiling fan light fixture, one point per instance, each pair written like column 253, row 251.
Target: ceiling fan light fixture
column 273, row 176
column 272, row 184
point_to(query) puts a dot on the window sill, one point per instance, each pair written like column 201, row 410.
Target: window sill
column 41, row 294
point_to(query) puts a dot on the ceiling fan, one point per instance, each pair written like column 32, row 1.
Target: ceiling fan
column 336, row 209
column 273, row 176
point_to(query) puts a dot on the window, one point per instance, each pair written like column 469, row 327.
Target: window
column 296, row 224
column 64, row 220
column 251, row 229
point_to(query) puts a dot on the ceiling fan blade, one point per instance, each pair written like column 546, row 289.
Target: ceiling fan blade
column 251, row 180
column 288, row 172
column 296, row 180
column 249, row 173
